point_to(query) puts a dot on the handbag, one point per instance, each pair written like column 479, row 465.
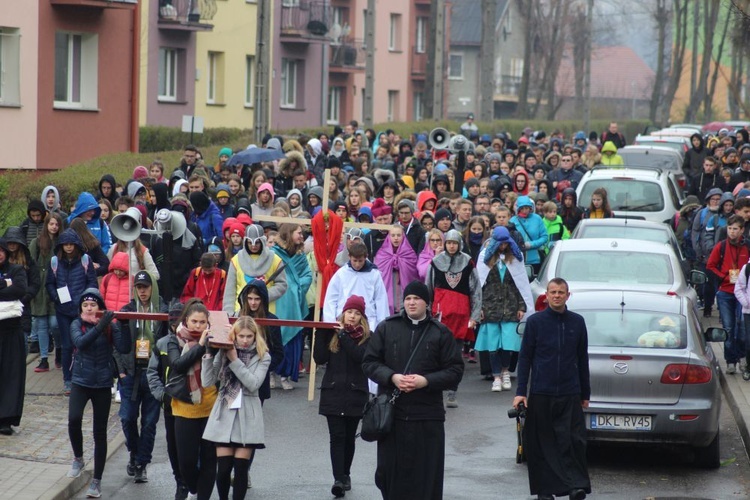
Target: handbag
column 379, row 412
column 11, row 309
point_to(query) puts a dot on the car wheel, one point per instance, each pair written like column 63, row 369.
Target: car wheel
column 709, row 457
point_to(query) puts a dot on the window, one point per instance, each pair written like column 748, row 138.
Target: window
column 249, row 81
column 421, row 35
column 394, row 36
column 508, row 22
column 76, row 62
column 362, row 116
column 498, row 74
column 334, row 105
column 288, row 83
column 364, row 28
column 516, row 67
column 392, row 106
column 167, row 74
column 10, row 52
column 456, row 66
column 418, row 106
column 290, row 3
column 215, row 84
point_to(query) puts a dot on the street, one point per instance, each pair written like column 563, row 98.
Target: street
column 480, row 458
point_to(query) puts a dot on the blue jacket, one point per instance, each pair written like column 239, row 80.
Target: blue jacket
column 210, row 223
column 92, row 361
column 555, row 349
column 70, row 273
column 532, row 229
column 96, row 225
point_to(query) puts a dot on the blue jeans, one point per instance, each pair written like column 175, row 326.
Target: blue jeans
column 63, row 323
column 730, row 312
column 140, row 445
column 499, row 360
column 41, row 328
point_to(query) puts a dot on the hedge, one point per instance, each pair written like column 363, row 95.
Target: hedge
column 154, row 139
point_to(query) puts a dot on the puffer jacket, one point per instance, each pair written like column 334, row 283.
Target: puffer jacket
column 344, row 389
column 92, row 361
column 210, row 223
column 115, row 291
column 96, row 225
column 70, row 273
column 532, row 229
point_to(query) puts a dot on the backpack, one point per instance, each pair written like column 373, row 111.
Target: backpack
column 84, row 262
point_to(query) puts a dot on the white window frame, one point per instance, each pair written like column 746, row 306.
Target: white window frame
column 10, row 74
column 82, row 72
column 516, row 67
column 249, row 81
column 168, row 71
column 333, row 116
column 394, row 33
column 213, row 82
column 451, row 75
column 288, row 83
column 421, row 35
column 290, row 3
column 498, row 74
column 418, row 106
column 392, row 106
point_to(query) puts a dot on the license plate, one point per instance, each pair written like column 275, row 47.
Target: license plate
column 621, row 422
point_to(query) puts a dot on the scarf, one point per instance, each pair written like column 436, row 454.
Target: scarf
column 187, row 340
column 231, row 387
column 403, row 260
column 89, row 318
column 326, row 245
column 355, row 332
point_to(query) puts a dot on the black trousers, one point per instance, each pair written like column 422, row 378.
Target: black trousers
column 192, row 450
column 171, row 443
column 101, row 401
column 342, row 431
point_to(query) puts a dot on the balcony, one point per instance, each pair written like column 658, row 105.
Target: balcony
column 186, row 15
column 418, row 63
column 347, row 56
column 305, row 18
column 98, row 4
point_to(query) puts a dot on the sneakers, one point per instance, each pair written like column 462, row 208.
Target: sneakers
column 140, row 474
column 286, row 384
column 746, row 375
column 67, row 385
column 731, row 368
column 743, row 365
column 76, row 467
column 497, row 386
column 130, row 469
column 43, row 366
column 272, row 381
column 118, row 398
column 337, row 490
column 452, row 403
column 506, row 381
column 192, row 496
column 95, row 489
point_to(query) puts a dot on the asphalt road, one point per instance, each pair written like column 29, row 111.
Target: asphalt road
column 480, row 458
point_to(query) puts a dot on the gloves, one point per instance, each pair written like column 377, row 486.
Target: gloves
column 527, row 245
column 107, row 318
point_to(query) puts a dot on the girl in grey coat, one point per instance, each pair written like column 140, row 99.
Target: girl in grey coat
column 236, row 420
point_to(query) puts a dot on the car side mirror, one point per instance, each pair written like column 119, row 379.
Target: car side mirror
column 530, row 272
column 520, row 328
column 714, row 334
column 697, row 277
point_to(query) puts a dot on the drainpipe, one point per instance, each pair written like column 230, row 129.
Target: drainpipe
column 134, row 79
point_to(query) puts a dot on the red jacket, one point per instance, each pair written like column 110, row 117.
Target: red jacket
column 210, row 289
column 116, row 291
column 735, row 256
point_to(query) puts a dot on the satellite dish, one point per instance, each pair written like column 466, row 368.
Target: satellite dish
column 335, row 33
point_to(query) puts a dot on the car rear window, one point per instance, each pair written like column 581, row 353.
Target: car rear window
column 630, row 195
column 628, row 328
column 639, row 159
column 606, row 266
column 624, row 231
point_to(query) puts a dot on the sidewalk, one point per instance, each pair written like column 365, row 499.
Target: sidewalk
column 34, row 461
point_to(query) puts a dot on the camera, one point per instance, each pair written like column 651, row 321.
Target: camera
column 519, row 412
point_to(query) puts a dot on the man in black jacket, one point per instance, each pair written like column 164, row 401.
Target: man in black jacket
column 708, row 178
column 555, row 350
column 411, row 458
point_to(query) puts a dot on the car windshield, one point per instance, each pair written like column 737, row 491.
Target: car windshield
column 629, row 195
column 625, row 231
column 640, row 159
column 649, row 329
column 606, row 266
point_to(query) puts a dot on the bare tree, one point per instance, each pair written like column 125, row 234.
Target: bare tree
column 579, row 40
column 530, row 28
column 680, row 8
column 487, row 61
column 710, row 17
column 662, row 15
column 708, row 100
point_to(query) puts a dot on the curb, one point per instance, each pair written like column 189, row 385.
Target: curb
column 735, row 409
column 66, row 488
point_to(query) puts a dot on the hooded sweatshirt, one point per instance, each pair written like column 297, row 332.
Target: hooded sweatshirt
column 29, row 228
column 56, row 205
column 74, row 274
column 96, row 225
column 692, row 164
column 109, row 178
column 613, row 159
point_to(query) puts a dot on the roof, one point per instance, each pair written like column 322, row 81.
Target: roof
column 616, row 72
column 613, row 245
column 466, row 20
column 634, row 300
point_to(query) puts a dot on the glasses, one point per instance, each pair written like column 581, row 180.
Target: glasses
column 566, row 160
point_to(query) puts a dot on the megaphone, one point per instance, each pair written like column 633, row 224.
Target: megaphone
column 172, row 221
column 460, row 143
column 439, row 138
column 127, row 226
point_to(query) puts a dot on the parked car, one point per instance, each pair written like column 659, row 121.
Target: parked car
column 679, row 144
column 654, row 375
column 647, row 193
column 655, row 154
column 631, row 229
column 607, row 263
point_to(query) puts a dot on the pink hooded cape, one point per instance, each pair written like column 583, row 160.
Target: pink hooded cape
column 404, row 260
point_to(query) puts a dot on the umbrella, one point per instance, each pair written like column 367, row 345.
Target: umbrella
column 715, row 127
column 255, row 155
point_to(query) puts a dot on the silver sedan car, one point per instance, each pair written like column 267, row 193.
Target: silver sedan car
column 654, row 376
column 615, row 263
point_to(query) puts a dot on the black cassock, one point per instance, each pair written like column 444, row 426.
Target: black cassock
column 12, row 348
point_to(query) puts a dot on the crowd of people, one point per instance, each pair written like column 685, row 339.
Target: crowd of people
column 450, row 266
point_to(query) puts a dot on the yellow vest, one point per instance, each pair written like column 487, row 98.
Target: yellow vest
column 241, row 281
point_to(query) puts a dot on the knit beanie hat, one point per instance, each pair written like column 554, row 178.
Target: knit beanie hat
column 419, row 289
column 200, row 201
column 357, row 303
column 443, row 213
column 140, row 172
column 380, row 207
column 225, row 152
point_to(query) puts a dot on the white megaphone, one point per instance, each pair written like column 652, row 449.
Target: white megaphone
column 170, row 220
column 439, row 138
column 127, row 226
column 460, row 143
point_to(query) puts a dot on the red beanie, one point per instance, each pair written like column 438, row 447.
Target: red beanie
column 380, row 207
column 357, row 303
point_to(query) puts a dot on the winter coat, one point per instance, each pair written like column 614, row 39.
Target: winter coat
column 556, row 231
column 611, row 160
column 706, row 224
column 209, row 290
column 532, row 229
column 92, row 361
column 209, row 222
column 148, row 261
column 116, row 291
column 573, row 215
column 72, row 274
column 33, row 281
column 692, row 164
column 244, row 425
column 127, row 363
column 56, row 205
column 96, row 225
column 41, row 304
column 438, row 360
column 29, row 228
column 344, row 390
column 702, row 183
column 733, row 258
column 367, row 283
column 741, row 291
column 243, row 268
